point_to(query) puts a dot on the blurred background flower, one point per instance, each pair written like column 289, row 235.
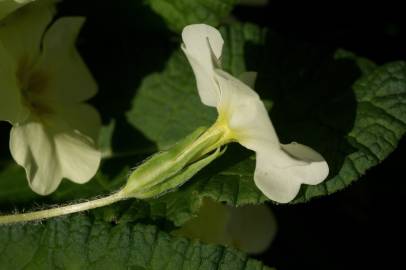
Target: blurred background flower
column 44, row 84
column 250, row 228
column 8, row 6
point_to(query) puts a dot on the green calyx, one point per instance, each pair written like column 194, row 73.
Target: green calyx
column 173, row 167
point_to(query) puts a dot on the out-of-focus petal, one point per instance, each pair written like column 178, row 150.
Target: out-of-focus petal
column 210, row 225
column 250, row 228
column 70, row 79
column 22, row 31
column 78, row 157
column 49, row 152
column 33, row 148
column 9, row 6
column 81, row 117
column 253, row 227
column 11, row 108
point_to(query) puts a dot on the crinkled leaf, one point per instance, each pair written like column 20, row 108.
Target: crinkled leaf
column 179, row 13
column 78, row 242
column 341, row 105
column 380, row 122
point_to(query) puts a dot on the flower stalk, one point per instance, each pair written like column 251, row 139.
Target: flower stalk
column 61, row 211
column 156, row 176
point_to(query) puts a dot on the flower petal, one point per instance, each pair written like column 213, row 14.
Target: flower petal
column 22, row 31
column 11, row 108
column 246, row 113
column 48, row 153
column 32, row 147
column 253, row 227
column 250, row 228
column 202, row 45
column 81, row 117
column 281, row 170
column 8, row 6
column 70, row 79
column 78, row 157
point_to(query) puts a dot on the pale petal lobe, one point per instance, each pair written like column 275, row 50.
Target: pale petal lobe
column 49, row 154
column 317, row 168
column 280, row 172
column 203, row 42
column 29, row 22
column 78, row 157
column 202, row 45
column 71, row 80
column 32, row 147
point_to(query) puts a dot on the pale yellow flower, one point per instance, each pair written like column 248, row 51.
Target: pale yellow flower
column 43, row 86
column 242, row 117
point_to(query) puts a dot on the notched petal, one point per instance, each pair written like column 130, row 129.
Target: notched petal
column 202, row 42
column 32, row 148
column 49, row 154
column 202, row 45
column 281, row 170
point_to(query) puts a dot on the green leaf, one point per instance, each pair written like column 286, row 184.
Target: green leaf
column 12, row 179
column 365, row 65
column 379, row 124
column 77, row 242
column 344, row 106
column 179, row 13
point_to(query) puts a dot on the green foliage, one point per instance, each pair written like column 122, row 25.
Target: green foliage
column 77, row 242
column 308, row 88
column 179, row 13
column 379, row 124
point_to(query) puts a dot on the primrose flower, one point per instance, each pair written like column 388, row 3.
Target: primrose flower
column 250, row 228
column 242, row 117
column 8, row 6
column 43, row 84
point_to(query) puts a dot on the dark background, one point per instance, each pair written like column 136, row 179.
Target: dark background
column 361, row 227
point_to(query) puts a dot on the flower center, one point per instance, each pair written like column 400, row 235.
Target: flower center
column 33, row 84
column 221, row 134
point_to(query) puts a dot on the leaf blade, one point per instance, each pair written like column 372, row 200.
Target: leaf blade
column 78, row 242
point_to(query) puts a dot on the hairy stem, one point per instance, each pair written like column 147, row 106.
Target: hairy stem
column 64, row 210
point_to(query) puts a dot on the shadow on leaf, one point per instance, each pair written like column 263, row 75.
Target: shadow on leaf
column 313, row 100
